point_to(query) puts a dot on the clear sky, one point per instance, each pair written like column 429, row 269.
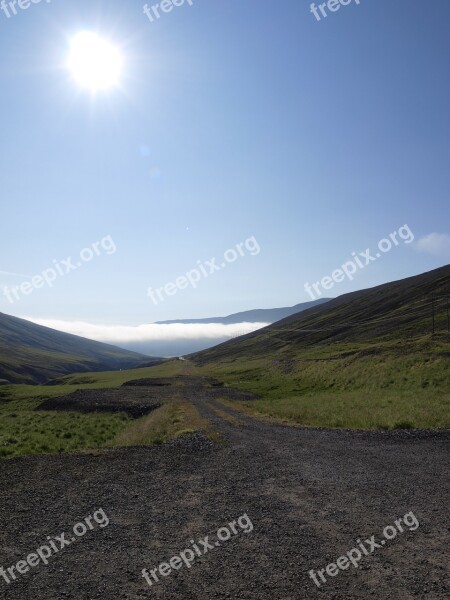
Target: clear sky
column 233, row 119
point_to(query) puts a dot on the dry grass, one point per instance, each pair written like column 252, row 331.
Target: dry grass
column 166, row 423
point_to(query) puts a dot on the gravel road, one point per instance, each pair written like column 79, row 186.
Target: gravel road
column 308, row 494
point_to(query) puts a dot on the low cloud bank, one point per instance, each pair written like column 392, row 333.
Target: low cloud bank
column 157, row 340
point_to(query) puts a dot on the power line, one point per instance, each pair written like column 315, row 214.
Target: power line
column 425, row 302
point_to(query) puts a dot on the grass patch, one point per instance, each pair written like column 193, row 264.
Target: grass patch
column 166, row 423
column 161, row 425
column 350, row 386
column 354, row 410
column 27, row 432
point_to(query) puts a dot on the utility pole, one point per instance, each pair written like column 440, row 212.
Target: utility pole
column 432, row 310
column 448, row 318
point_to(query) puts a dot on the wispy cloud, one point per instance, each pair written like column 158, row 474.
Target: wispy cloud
column 437, row 244
column 9, row 274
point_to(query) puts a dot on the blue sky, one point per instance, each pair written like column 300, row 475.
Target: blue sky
column 233, row 119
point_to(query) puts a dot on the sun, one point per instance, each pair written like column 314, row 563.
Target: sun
column 95, row 63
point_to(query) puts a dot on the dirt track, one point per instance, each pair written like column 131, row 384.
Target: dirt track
column 310, row 494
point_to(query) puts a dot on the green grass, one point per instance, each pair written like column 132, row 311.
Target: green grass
column 27, row 432
column 168, row 422
column 404, row 373
column 357, row 386
column 362, row 387
column 353, row 410
column 368, row 361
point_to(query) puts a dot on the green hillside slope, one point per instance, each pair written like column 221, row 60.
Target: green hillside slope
column 30, row 353
column 396, row 313
column 366, row 360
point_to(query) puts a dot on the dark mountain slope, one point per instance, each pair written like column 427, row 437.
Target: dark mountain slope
column 392, row 312
column 30, row 353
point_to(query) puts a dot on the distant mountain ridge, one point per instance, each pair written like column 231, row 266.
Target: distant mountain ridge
column 31, row 353
column 261, row 315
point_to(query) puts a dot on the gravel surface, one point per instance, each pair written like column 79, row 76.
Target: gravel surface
column 309, row 494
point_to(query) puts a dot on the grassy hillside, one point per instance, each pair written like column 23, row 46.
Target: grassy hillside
column 397, row 314
column 31, row 353
column 371, row 391
column 364, row 360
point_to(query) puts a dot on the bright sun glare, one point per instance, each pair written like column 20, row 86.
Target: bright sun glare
column 94, row 62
